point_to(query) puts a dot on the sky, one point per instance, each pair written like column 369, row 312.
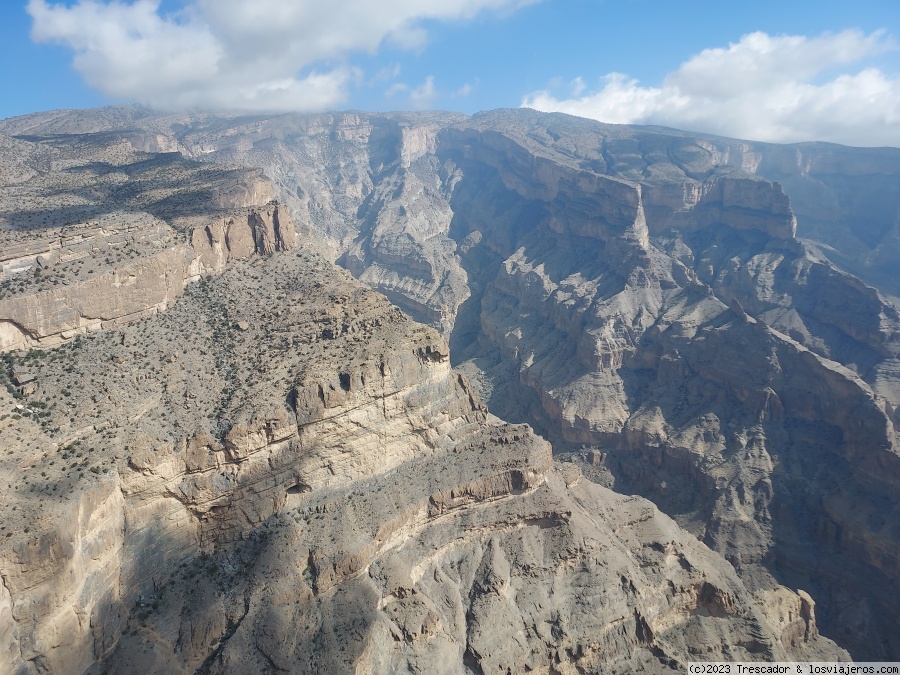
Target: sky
column 784, row 71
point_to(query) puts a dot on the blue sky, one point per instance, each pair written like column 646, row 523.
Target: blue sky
column 784, row 71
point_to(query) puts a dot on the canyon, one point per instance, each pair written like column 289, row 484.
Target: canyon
column 648, row 414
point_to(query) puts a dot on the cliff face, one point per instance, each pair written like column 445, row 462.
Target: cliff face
column 163, row 480
column 587, row 274
column 637, row 292
column 281, row 460
column 832, row 187
column 270, row 467
column 705, row 364
column 72, row 265
column 499, row 563
column 146, row 282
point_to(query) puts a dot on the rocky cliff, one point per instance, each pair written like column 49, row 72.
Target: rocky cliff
column 716, row 364
column 578, row 268
column 637, row 295
column 282, row 451
column 283, row 472
column 113, row 236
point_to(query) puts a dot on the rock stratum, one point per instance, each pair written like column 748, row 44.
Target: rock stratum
column 228, row 455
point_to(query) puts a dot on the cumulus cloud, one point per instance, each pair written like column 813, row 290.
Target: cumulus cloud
column 464, row 91
column 772, row 88
column 423, row 96
column 418, row 98
column 247, row 54
column 396, row 89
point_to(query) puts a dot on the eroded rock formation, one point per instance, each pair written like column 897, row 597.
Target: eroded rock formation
column 115, row 258
column 282, row 449
column 637, row 292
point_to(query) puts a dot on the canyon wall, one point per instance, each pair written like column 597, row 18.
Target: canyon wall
column 707, row 364
column 281, row 471
column 143, row 285
column 637, row 295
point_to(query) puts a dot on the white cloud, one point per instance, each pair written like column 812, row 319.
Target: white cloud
column 396, row 89
column 248, row 54
column 578, row 86
column 780, row 89
column 424, row 95
column 386, row 74
column 418, row 98
column 463, row 91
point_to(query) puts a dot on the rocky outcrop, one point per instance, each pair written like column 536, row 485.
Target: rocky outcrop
column 639, row 292
column 737, row 203
column 137, row 289
column 254, row 231
column 460, row 581
column 169, row 470
column 166, row 487
column 133, row 245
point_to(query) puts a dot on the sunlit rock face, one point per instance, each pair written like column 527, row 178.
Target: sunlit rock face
column 282, row 448
column 289, row 473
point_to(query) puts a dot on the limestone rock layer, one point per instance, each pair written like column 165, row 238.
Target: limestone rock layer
column 283, row 472
column 643, row 292
column 247, row 462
